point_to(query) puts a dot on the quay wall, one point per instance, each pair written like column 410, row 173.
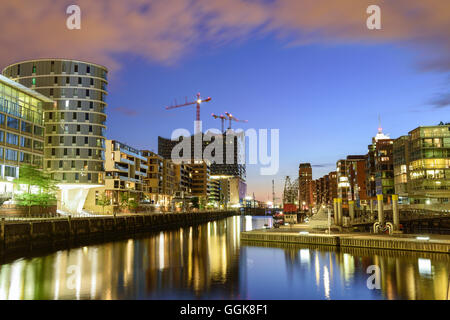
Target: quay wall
column 339, row 240
column 45, row 233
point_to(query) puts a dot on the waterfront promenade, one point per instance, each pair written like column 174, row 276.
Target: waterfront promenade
column 302, row 234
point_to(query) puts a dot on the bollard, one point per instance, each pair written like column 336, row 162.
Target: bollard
column 2, row 234
column 339, row 205
column 395, row 214
column 31, row 232
column 351, row 210
column 380, row 209
column 69, row 219
column 335, row 211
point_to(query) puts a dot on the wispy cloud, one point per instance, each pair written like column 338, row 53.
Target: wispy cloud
column 165, row 31
column 125, row 111
column 323, row 165
column 441, row 101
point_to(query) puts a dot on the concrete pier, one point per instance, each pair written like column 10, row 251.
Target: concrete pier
column 438, row 244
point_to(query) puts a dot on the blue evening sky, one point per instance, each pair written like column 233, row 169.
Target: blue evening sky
column 325, row 100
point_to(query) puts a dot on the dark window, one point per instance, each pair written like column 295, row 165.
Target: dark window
column 78, row 152
column 51, row 92
column 27, row 127
column 56, row 80
column 92, row 81
column 78, row 128
column 61, row 140
column 13, row 123
column 65, row 151
column 76, row 68
column 86, row 116
column 52, row 66
column 74, row 139
column 53, row 151
column 86, row 139
column 88, row 69
column 67, row 80
column 49, row 139
column 90, row 128
column 79, row 80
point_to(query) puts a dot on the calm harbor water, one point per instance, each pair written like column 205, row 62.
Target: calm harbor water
column 209, row 262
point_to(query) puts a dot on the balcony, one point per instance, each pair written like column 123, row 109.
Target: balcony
column 126, row 161
column 121, row 168
column 129, row 179
column 130, row 153
column 144, row 166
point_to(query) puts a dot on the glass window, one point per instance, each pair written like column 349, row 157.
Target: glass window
column 11, row 155
column 38, row 145
column 12, row 138
column 27, row 127
column 13, row 123
column 38, row 131
column 25, row 142
column 10, row 171
column 2, row 118
column 25, row 157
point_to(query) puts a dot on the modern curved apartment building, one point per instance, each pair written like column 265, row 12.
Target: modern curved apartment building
column 75, row 125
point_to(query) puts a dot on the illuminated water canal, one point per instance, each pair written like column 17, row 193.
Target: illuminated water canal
column 208, row 262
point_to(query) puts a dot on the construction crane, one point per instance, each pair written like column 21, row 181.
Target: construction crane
column 231, row 117
column 221, row 117
column 197, row 102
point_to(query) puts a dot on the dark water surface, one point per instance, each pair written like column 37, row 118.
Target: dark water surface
column 209, row 262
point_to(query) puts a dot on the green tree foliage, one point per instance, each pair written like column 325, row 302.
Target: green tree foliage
column 104, row 200
column 195, row 202
column 29, row 177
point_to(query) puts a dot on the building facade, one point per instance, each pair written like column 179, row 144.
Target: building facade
column 21, row 131
column 422, row 165
column 74, row 148
column 305, row 198
column 125, row 171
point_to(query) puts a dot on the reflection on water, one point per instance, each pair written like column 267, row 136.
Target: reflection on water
column 208, row 262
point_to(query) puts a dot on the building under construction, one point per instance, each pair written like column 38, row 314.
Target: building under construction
column 235, row 169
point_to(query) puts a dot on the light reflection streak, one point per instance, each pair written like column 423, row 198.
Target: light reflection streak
column 15, row 290
column 326, row 282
